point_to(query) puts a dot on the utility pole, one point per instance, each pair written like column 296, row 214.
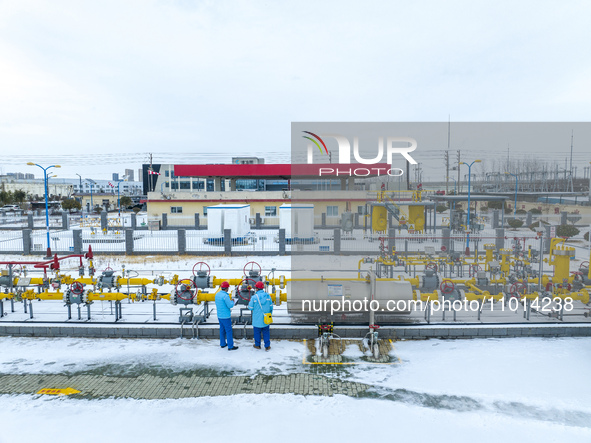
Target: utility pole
column 447, row 156
column 150, row 176
column 407, row 176
column 459, row 182
column 572, row 186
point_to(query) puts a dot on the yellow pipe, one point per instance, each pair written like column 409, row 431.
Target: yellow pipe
column 215, row 281
column 135, row 281
column 474, row 288
column 117, row 296
column 471, row 296
column 359, row 267
column 427, row 296
column 582, row 295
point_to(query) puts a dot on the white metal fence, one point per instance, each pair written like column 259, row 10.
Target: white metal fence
column 11, row 241
column 103, row 242
column 155, row 241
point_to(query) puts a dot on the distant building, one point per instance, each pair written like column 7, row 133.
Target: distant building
column 115, row 176
column 248, row 161
column 129, row 174
column 36, row 187
column 70, row 187
column 191, row 189
column 21, row 176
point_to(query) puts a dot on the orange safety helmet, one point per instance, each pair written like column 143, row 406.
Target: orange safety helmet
column 225, row 285
column 260, row 285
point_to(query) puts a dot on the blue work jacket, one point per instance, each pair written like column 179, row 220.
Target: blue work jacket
column 223, row 304
column 258, row 314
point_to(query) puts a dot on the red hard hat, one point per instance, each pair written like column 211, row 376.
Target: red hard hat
column 225, row 285
column 260, row 285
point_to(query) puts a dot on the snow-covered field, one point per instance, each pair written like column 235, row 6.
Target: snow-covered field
column 263, row 418
column 525, row 389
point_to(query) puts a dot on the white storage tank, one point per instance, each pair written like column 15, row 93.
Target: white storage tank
column 234, row 217
column 297, row 220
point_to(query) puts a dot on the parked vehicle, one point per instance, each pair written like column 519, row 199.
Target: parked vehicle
column 10, row 208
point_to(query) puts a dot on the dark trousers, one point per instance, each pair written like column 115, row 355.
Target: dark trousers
column 226, row 332
column 266, row 336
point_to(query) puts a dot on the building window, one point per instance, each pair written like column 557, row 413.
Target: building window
column 270, row 211
column 165, row 173
column 176, row 209
column 332, row 211
column 361, row 210
column 185, row 185
column 205, row 211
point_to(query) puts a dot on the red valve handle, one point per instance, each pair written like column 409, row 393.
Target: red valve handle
column 189, row 288
column 77, row 288
column 447, row 286
column 253, row 263
column 249, row 287
column 201, row 267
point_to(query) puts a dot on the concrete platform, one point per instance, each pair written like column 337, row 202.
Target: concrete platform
column 24, row 329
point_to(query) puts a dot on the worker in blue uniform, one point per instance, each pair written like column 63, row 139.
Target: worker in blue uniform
column 223, row 305
column 261, row 304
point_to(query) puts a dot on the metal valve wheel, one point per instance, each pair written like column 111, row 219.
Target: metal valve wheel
column 77, row 288
column 447, row 286
column 252, row 265
column 431, row 267
column 518, row 289
column 187, row 289
column 249, row 287
column 201, row 264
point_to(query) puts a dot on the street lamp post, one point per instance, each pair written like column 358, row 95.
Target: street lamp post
column 468, row 222
column 514, row 204
column 46, row 201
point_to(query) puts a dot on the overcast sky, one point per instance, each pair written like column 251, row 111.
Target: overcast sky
column 96, row 86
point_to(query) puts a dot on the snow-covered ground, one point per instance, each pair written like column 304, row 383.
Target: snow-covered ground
column 524, row 389
column 262, row 418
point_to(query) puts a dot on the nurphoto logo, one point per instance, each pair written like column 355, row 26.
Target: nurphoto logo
column 392, row 147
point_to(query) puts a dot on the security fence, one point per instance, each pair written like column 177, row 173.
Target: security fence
column 265, row 242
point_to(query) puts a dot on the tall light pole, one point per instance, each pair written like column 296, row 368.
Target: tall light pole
column 469, row 184
column 46, row 201
column 514, row 204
